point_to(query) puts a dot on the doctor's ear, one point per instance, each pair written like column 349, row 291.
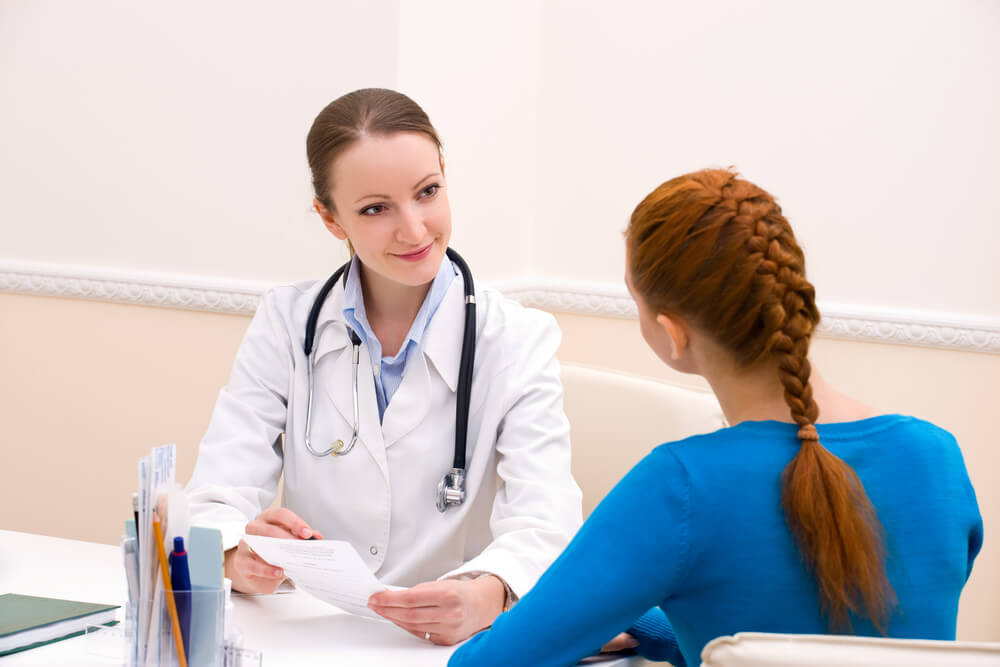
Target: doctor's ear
column 328, row 220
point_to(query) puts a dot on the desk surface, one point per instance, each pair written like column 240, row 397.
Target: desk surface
column 290, row 629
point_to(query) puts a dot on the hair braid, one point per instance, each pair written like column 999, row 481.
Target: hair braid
column 717, row 248
column 789, row 317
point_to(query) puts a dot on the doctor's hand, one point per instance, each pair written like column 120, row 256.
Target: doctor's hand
column 448, row 610
column 251, row 573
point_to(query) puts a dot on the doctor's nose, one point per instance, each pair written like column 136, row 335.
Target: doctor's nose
column 411, row 227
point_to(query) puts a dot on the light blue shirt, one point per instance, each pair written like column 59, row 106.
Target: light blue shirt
column 388, row 371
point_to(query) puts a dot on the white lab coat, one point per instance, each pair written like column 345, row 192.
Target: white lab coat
column 522, row 504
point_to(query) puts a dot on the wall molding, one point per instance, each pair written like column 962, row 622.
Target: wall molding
column 222, row 295
column 904, row 327
column 217, row 295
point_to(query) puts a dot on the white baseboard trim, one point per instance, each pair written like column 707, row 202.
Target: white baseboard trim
column 577, row 297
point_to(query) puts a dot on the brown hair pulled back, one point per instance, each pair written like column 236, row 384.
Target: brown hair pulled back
column 369, row 111
column 714, row 248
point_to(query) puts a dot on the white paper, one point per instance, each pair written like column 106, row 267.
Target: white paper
column 155, row 470
column 330, row 570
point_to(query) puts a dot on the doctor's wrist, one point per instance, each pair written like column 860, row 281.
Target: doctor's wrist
column 492, row 595
column 498, row 595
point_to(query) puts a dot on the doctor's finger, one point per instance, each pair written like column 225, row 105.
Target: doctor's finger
column 288, row 520
column 261, row 585
column 438, row 634
column 250, row 564
column 417, row 615
column 258, row 527
column 431, row 594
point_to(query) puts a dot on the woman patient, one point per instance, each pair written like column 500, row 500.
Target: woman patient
column 810, row 514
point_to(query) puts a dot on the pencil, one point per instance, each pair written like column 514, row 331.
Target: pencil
column 171, row 607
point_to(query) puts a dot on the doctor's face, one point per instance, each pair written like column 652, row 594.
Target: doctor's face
column 390, row 201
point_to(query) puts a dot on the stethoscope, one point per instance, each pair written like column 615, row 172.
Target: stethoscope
column 451, row 488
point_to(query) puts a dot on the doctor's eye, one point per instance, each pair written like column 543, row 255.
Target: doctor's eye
column 374, row 209
column 429, row 191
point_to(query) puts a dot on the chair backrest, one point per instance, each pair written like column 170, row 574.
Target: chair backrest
column 760, row 649
column 616, row 419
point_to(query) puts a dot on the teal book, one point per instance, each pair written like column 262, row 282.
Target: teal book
column 27, row 621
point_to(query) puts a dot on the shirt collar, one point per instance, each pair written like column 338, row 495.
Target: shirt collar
column 357, row 318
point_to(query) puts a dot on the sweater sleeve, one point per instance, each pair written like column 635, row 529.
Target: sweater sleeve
column 976, row 530
column 628, row 557
column 656, row 637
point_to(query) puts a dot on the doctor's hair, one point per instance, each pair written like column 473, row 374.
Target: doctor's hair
column 369, row 111
column 715, row 249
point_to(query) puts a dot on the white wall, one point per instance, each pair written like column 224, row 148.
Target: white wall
column 473, row 66
column 875, row 123
column 171, row 138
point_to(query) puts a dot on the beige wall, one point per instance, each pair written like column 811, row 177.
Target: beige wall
column 88, row 387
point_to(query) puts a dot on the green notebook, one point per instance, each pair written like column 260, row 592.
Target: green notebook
column 27, row 621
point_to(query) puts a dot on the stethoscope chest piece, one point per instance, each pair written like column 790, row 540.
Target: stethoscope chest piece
column 451, row 489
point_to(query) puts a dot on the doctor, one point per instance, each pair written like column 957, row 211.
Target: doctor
column 379, row 182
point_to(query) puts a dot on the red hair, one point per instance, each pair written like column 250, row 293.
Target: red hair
column 716, row 249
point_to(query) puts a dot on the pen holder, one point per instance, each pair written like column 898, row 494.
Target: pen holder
column 151, row 643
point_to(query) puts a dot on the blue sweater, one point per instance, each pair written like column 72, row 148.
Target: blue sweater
column 695, row 534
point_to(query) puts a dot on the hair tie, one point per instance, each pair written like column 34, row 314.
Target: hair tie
column 809, row 432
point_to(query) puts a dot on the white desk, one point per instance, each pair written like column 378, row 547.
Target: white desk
column 290, row 629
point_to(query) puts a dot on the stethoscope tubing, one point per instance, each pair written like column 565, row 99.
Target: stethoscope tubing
column 466, row 364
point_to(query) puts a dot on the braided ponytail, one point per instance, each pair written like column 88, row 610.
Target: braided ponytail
column 717, row 249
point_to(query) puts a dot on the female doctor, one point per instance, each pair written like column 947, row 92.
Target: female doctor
column 379, row 182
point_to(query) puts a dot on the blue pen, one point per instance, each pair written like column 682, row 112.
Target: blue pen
column 180, row 581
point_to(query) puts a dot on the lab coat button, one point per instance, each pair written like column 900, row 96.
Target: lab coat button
column 374, row 551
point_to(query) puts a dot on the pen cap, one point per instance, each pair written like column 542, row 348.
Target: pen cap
column 178, row 546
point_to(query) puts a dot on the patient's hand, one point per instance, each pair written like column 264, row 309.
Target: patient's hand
column 448, row 610
column 620, row 643
column 251, row 573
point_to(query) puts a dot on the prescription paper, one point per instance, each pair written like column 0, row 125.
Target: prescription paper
column 330, row 570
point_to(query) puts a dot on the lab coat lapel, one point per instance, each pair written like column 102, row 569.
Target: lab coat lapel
column 331, row 333
column 341, row 393
column 442, row 346
column 332, row 339
column 411, row 402
column 443, row 338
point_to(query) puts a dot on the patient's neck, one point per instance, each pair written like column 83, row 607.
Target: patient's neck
column 758, row 395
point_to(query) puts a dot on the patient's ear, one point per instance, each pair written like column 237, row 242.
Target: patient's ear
column 328, row 220
column 679, row 335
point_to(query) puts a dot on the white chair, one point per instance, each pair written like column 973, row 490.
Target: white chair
column 760, row 649
column 616, row 420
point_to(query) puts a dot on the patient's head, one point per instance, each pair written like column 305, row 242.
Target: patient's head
column 715, row 250
column 711, row 256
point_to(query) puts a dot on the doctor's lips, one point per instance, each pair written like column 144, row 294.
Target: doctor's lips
column 416, row 255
